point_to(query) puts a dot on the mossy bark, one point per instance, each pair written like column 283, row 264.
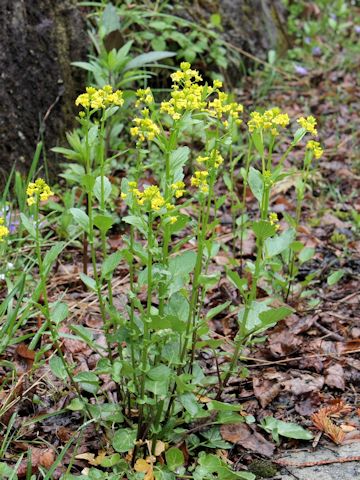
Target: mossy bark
column 255, row 26
column 39, row 40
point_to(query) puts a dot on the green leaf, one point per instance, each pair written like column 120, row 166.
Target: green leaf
column 182, row 264
column 178, row 158
column 107, row 188
column 258, row 142
column 111, row 460
column 274, row 315
column 57, row 367
column 110, row 263
column 223, row 407
column 174, row 458
column 89, row 282
column 80, row 218
column 88, row 381
column 234, row 277
column 124, row 440
column 335, row 277
column 103, row 222
column 263, row 229
column 253, row 321
column 256, row 183
column 216, row 310
column 299, row 135
column 189, row 402
column 110, row 20
column 28, row 224
column 137, row 222
column 52, row 255
column 279, row 243
column 158, row 380
column 76, row 405
column 147, row 59
column 285, row 429
column 215, row 19
column 88, row 182
column 306, row 254
column 59, row 312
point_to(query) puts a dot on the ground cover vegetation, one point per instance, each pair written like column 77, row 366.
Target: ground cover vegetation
column 192, row 239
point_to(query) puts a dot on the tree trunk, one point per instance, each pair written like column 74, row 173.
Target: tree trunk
column 38, row 39
column 255, row 26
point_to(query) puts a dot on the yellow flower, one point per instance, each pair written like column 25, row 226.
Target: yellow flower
column 308, row 124
column 38, row 190
column 214, row 160
column 199, row 180
column 150, row 197
column 178, row 189
column 123, row 195
column 145, row 96
column 4, row 231
column 173, row 220
column 100, row 98
column 221, row 106
column 273, row 219
column 145, row 128
column 315, row 147
column 269, row 120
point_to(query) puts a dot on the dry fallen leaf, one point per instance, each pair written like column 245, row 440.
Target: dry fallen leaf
column 244, row 436
column 40, row 457
column 335, row 377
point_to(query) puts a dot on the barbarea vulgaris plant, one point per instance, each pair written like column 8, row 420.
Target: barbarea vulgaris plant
column 153, row 342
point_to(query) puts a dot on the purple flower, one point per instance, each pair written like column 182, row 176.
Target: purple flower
column 307, row 40
column 357, row 29
column 301, row 70
column 316, row 51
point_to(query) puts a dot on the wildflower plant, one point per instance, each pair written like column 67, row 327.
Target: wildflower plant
column 153, row 343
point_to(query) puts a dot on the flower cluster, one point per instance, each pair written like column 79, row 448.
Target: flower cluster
column 187, row 95
column 144, row 96
column 267, row 177
column 178, row 189
column 308, row 124
column 315, row 148
column 199, row 180
column 151, row 196
column 269, row 120
column 100, row 98
column 214, row 160
column 221, row 107
column 145, row 128
column 186, row 76
column 4, row 231
column 273, row 219
column 39, row 190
